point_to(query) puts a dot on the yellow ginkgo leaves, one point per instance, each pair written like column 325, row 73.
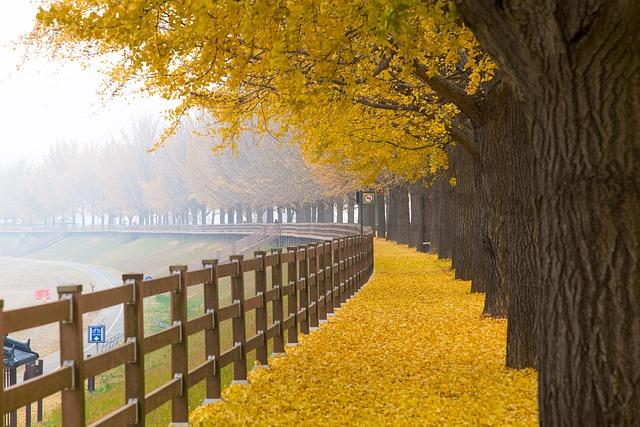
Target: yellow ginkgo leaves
column 410, row 349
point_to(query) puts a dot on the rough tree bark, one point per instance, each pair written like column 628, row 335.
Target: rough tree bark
column 462, row 165
column 402, row 208
column 423, row 215
column 576, row 64
column 493, row 135
column 414, row 224
column 381, row 222
column 392, row 215
column 434, row 218
column 447, row 226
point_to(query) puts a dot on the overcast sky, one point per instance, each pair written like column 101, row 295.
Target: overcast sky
column 44, row 101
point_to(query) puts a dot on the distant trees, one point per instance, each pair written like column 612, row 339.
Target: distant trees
column 180, row 183
column 531, row 154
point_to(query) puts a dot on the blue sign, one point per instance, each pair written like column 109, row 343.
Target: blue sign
column 96, row 333
column 147, row 278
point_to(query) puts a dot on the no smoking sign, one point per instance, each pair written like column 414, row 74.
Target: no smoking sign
column 368, row 198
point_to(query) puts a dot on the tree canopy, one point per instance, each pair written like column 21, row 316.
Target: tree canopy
column 348, row 80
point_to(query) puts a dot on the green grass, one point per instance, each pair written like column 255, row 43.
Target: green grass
column 150, row 256
column 109, row 393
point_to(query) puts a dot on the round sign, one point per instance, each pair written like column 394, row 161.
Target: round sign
column 368, row 197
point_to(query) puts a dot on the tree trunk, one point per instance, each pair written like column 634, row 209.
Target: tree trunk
column 423, row 221
column 435, row 225
column 493, row 134
column 392, row 215
column 414, row 224
column 403, row 215
column 580, row 76
column 350, row 209
column 340, row 210
column 270, row 214
column 308, row 212
column 259, row 215
column 381, row 221
column 314, row 213
column 320, row 209
column 464, row 248
column 446, row 228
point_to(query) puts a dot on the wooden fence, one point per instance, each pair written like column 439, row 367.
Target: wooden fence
column 320, row 277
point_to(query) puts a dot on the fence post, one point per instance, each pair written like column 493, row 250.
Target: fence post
column 276, row 305
column 12, row 379
column 363, row 262
column 39, row 403
column 261, row 313
column 72, row 354
column 354, row 264
column 212, row 335
column 358, row 265
column 314, row 297
column 342, row 251
column 351, row 264
column 321, row 278
column 292, row 300
column 134, row 332
column 180, row 350
column 239, row 328
column 371, row 255
column 304, row 290
column 335, row 270
column 91, row 381
column 328, row 278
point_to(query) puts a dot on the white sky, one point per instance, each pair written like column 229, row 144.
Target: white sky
column 44, row 101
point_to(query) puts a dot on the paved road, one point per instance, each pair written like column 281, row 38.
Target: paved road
column 103, row 278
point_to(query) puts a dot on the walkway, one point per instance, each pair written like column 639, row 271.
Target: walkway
column 410, row 349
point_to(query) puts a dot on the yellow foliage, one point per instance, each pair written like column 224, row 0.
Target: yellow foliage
column 411, row 349
column 338, row 76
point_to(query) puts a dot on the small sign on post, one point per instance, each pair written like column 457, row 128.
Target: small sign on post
column 96, row 334
column 369, row 197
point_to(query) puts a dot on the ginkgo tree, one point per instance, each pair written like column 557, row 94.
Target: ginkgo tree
column 389, row 85
column 375, row 87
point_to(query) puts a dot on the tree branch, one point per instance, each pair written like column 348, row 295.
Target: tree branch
column 386, row 105
column 464, row 137
column 404, row 147
column 448, row 90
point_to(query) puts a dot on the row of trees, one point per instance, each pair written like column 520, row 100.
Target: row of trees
column 530, row 154
column 182, row 183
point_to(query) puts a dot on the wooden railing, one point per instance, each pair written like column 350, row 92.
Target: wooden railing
column 320, row 277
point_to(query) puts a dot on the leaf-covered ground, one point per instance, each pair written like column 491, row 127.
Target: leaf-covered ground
column 410, row 349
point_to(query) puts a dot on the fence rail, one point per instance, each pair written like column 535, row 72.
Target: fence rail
column 320, row 277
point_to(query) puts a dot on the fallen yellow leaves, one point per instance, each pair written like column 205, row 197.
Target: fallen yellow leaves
column 410, row 349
